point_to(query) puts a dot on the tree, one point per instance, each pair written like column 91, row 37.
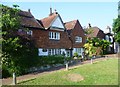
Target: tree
column 18, row 52
column 116, row 29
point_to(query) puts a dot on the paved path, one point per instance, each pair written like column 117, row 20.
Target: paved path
column 8, row 81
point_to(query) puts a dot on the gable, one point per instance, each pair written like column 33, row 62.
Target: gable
column 57, row 23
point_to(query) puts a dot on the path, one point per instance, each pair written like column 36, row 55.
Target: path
column 8, row 81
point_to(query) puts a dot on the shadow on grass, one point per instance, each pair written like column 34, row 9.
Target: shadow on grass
column 25, row 81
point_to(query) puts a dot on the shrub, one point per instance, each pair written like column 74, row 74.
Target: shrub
column 52, row 60
column 75, row 54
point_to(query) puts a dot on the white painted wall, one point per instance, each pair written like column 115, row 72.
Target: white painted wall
column 57, row 23
column 41, row 53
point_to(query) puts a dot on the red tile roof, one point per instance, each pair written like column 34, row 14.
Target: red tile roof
column 94, row 32
column 70, row 25
column 46, row 22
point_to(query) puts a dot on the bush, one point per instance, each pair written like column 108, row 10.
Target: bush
column 5, row 72
column 50, row 60
column 75, row 54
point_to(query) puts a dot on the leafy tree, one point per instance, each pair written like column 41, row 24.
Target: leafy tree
column 116, row 29
column 18, row 52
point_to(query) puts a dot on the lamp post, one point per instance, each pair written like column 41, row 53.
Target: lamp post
column 66, row 62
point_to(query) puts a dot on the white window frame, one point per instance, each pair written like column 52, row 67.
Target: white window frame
column 54, row 35
column 78, row 39
column 54, row 51
column 78, row 50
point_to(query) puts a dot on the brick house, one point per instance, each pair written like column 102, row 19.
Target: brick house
column 52, row 39
column 95, row 32
column 52, row 36
column 27, row 20
column 77, row 36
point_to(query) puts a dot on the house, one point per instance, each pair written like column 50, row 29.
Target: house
column 77, row 36
column 94, row 32
column 113, row 47
column 52, row 39
column 27, row 20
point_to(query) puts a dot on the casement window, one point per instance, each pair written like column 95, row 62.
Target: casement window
column 78, row 39
column 107, row 37
column 78, row 50
column 44, row 50
column 54, row 35
column 29, row 32
column 54, row 51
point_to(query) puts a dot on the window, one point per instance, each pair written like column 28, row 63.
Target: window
column 78, row 39
column 78, row 50
column 29, row 32
column 44, row 50
column 54, row 35
column 54, row 51
column 107, row 37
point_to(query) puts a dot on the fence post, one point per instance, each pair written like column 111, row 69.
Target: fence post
column 14, row 79
column 66, row 65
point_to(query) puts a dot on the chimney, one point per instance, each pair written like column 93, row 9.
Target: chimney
column 50, row 11
column 89, row 25
column 29, row 10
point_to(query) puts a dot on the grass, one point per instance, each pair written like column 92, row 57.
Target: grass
column 100, row 73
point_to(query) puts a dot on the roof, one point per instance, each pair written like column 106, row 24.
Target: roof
column 94, row 31
column 28, row 20
column 70, row 25
column 46, row 22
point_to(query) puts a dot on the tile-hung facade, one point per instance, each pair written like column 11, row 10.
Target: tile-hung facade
column 77, row 36
column 53, row 38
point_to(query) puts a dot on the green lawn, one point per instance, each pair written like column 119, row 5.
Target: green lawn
column 100, row 73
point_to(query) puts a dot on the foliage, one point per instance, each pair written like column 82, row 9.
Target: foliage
column 116, row 29
column 98, row 73
column 18, row 52
column 94, row 44
column 75, row 54
column 52, row 60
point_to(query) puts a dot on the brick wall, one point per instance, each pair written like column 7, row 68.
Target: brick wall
column 78, row 31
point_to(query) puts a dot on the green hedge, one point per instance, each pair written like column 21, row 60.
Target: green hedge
column 52, row 60
column 39, row 61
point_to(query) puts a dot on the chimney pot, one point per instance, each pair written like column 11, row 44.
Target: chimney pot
column 50, row 11
column 89, row 25
column 29, row 10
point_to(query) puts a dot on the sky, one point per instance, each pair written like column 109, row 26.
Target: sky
column 100, row 14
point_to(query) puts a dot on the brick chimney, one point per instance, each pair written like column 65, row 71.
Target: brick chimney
column 29, row 10
column 89, row 25
column 50, row 11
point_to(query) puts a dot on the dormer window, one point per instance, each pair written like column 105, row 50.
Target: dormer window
column 78, row 39
column 54, row 35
